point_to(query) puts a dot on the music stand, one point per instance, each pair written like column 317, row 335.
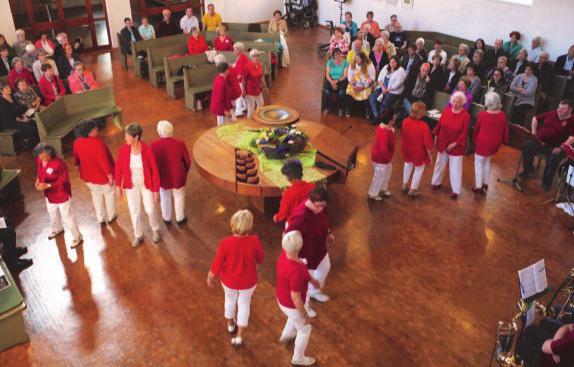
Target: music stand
column 518, row 135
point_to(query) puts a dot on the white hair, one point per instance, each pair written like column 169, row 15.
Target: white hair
column 292, row 242
column 239, row 46
column 492, row 101
column 219, row 58
column 253, row 52
column 386, row 34
column 379, row 41
column 464, row 46
column 60, row 36
column 420, row 40
column 164, row 129
column 30, row 48
column 457, row 95
column 20, row 31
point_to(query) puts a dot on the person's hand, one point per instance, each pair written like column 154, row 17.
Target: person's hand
column 210, row 281
column 556, row 150
column 266, row 89
column 556, row 358
column 450, row 147
column 427, row 79
column 331, row 238
column 384, row 90
column 119, row 192
column 156, row 197
column 274, row 219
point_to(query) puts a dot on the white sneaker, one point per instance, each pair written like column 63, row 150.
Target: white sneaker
column 375, row 197
column 53, row 235
column 305, row 361
column 286, row 339
column 77, row 242
column 385, row 193
column 320, row 297
column 155, row 236
column 236, row 341
column 137, row 241
column 198, row 106
column 231, row 328
column 310, row 312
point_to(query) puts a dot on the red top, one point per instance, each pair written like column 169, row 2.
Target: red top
column 77, row 85
column 314, row 228
column 292, row 197
column 173, row 162
column 39, row 46
column 233, row 84
column 452, row 127
column 223, row 45
column 124, row 173
column 553, row 130
column 240, row 63
column 55, row 172
column 252, row 74
column 292, row 276
column 384, row 145
column 93, row 158
column 24, row 74
column 236, row 261
column 490, row 132
column 416, row 142
column 564, row 347
column 48, row 89
column 220, row 96
column 196, row 45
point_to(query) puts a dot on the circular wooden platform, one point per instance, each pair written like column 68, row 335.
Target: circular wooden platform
column 276, row 115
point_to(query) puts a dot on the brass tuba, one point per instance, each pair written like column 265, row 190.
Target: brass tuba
column 560, row 307
column 504, row 352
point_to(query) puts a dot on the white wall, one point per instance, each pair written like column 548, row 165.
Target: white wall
column 488, row 19
column 246, row 11
column 7, row 22
column 117, row 11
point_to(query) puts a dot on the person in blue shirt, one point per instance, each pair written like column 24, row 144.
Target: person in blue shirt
column 350, row 26
column 335, row 81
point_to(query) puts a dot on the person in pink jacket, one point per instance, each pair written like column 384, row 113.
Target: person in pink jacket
column 82, row 80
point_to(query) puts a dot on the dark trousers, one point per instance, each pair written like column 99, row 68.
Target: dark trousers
column 8, row 241
column 328, row 92
column 530, row 149
column 361, row 106
column 519, row 114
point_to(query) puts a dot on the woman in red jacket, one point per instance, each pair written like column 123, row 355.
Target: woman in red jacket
column 54, row 181
column 223, row 41
column 295, row 194
column 233, row 85
column 221, row 94
column 416, row 148
column 490, row 132
column 253, row 78
column 382, row 152
column 239, row 68
column 51, row 86
column 236, row 263
column 173, row 161
column 196, row 43
column 451, row 134
column 137, row 174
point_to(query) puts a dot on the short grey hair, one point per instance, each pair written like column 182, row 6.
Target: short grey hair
column 457, row 95
column 30, row 48
column 60, row 36
column 420, row 40
column 20, row 31
column 292, row 242
column 45, row 147
column 165, row 129
column 492, row 101
column 134, row 129
column 379, row 41
column 503, row 58
column 386, row 34
column 538, row 41
column 463, row 46
column 15, row 61
column 219, row 58
column 253, row 52
column 239, row 46
column 479, row 51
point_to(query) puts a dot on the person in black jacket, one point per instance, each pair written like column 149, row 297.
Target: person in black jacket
column 478, row 63
column 128, row 34
column 12, row 117
column 62, row 39
column 5, row 61
column 452, row 75
column 167, row 26
column 545, row 73
column 519, row 64
column 436, row 73
column 66, row 63
column 418, row 88
column 378, row 57
column 492, row 55
column 10, row 253
column 412, row 61
column 560, row 66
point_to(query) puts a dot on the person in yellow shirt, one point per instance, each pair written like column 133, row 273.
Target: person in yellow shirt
column 211, row 20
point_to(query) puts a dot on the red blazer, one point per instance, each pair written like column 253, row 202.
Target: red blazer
column 490, row 132
column 239, row 66
column 38, row 44
column 196, row 46
column 76, row 86
column 225, row 45
column 314, row 229
column 236, row 261
column 93, row 158
column 46, row 90
column 416, row 142
column 383, row 147
column 452, row 127
column 233, row 84
column 56, row 173
column 220, row 96
column 173, row 161
column 25, row 74
column 292, row 197
column 124, row 173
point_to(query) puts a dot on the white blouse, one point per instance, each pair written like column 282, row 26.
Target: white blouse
column 136, row 168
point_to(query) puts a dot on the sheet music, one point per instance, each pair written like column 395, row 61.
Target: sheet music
column 4, row 283
column 532, row 279
column 3, row 223
column 570, row 178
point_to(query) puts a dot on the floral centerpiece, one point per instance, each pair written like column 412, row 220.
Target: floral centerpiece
column 281, row 142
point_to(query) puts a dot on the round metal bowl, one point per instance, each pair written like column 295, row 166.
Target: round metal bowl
column 276, row 115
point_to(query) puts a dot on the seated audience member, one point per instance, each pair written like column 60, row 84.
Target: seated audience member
column 5, row 61
column 223, row 41
column 220, row 103
column 556, row 127
column 478, row 45
column 371, row 29
column 21, row 42
column 513, row 45
column 26, row 96
column 564, row 64
column 416, row 147
column 493, row 55
column 78, row 45
column 388, row 46
column 11, row 253
column 452, row 75
column 397, row 34
column 507, row 75
column 82, row 80
column 350, row 26
column 519, row 64
column 62, row 39
column 451, row 138
column 463, row 86
column 545, row 73
column 43, row 43
column 559, row 351
column 29, row 56
column 411, row 62
column 475, row 83
column 382, row 151
column 361, row 77
column 339, row 41
column 418, row 88
column 4, row 44
column 67, row 62
column 496, row 84
column 378, row 56
column 478, row 63
column 295, row 194
column 335, row 81
column 490, row 131
column 51, row 86
column 43, row 59
column 438, row 51
column 167, row 26
column 12, row 116
column 196, row 43
column 188, row 21
column 535, row 49
column 211, row 20
column 358, row 46
column 437, row 74
column 128, row 34
column 277, row 24
column 391, row 83
column 463, row 57
column 524, row 88
column 420, row 43
column 253, row 79
column 19, row 71
column 146, row 30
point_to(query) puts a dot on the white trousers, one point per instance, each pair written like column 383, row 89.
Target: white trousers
column 104, row 198
column 135, row 196
column 178, row 203
column 320, row 274
column 381, row 176
column 252, row 101
column 481, row 170
column 454, row 168
column 295, row 327
column 221, row 120
column 240, row 104
column 62, row 214
column 241, row 299
column 417, row 176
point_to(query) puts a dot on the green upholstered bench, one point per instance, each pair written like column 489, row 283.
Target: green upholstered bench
column 172, row 67
column 155, row 61
column 4, row 80
column 7, row 145
column 139, row 46
column 12, row 327
column 197, row 80
column 62, row 116
column 10, row 189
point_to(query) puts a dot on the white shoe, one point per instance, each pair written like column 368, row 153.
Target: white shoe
column 236, row 341
column 155, row 237
column 231, row 328
column 375, row 197
column 53, row 235
column 385, row 193
column 137, row 241
column 305, row 361
column 286, row 339
column 310, row 312
column 77, row 242
column 320, row 297
column 198, row 106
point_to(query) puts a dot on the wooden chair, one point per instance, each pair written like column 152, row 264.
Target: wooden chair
column 197, row 80
column 124, row 55
column 155, row 61
column 10, row 188
column 173, row 66
column 7, row 145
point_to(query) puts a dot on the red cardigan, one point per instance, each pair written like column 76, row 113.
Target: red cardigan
column 220, row 96
column 225, row 45
column 55, row 173
column 236, row 261
column 173, row 161
column 416, row 142
column 384, row 145
column 314, row 229
column 452, row 127
column 233, row 84
column 24, row 74
column 490, row 132
column 46, row 90
column 292, row 197
column 196, row 46
column 124, row 173
column 93, row 158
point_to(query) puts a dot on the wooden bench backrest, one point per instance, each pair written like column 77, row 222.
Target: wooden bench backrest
column 179, row 39
column 237, row 27
column 4, row 80
column 49, row 118
column 229, row 56
column 199, row 76
column 261, row 46
column 265, row 36
column 156, row 55
column 440, row 101
column 89, row 100
column 173, row 66
column 560, row 82
column 474, row 110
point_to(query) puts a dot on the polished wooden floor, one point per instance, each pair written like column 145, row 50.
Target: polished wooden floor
column 414, row 282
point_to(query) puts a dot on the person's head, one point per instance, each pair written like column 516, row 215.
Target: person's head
column 238, row 48
column 571, row 52
column 292, row 242
column 358, row 45
column 337, row 55
column 394, row 19
column 133, row 133
column 438, row 45
column 436, row 59
column 45, row 152
column 20, row 35
column 463, row 49
column 454, row 63
column 412, row 50
column 418, row 110
column 498, row 43
column 166, row 14
column 48, row 71
column 361, row 59
column 492, row 101
column 529, row 69
column 43, row 37
column 564, row 109
column 164, row 129
column 68, row 50
column 241, row 223
column 470, row 71
column 389, row 118
column 222, row 68
column 293, row 170
column 277, row 14
column 544, row 57
column 79, row 67
column 128, row 22
column 501, row 62
column 348, row 17
column 463, row 84
column 254, row 55
column 536, row 42
column 6, row 91
column 189, row 12
column 88, row 128
column 479, row 44
column 145, row 21
column 477, row 56
column 522, row 55
column 2, row 40
column 424, row 70
column 420, row 43
column 194, row 31
column 393, row 63
column 385, row 36
column 62, row 38
column 222, row 29
column 457, row 100
column 378, row 48
column 318, row 196
column 30, row 49
column 514, row 36
column 21, row 84
column 497, row 75
column 42, row 56
column 211, row 9
column 339, row 32
column 4, row 52
column 17, row 64
column 370, row 16
column 219, row 58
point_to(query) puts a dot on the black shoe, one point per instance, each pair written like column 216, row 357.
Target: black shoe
column 182, row 222
column 19, row 251
column 22, row 264
column 526, row 174
column 167, row 222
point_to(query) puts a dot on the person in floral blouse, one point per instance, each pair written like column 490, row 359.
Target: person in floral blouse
column 339, row 41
